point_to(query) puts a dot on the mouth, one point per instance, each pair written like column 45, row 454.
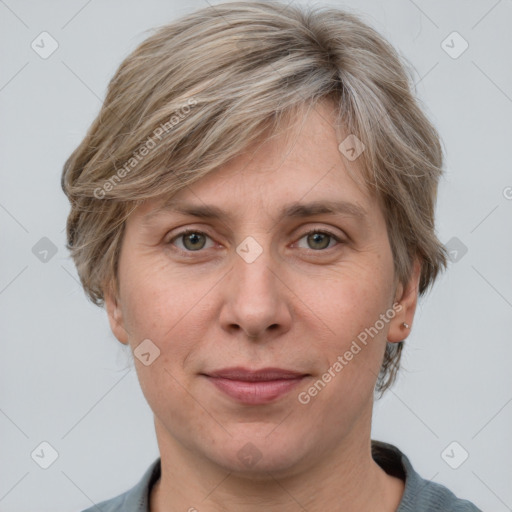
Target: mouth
column 255, row 387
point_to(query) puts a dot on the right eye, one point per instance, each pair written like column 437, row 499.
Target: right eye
column 190, row 240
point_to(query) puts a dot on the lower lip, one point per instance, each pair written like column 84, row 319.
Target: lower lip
column 259, row 392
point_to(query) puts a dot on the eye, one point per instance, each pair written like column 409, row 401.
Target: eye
column 191, row 240
column 318, row 240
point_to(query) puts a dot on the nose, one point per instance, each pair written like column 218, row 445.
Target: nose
column 256, row 300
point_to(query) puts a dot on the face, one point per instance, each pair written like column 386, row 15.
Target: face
column 256, row 284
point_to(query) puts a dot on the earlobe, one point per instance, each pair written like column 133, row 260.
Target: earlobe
column 115, row 317
column 407, row 298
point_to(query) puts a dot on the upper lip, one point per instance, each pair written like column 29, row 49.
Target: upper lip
column 262, row 374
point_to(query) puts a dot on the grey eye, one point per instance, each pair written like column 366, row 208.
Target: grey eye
column 191, row 241
column 194, row 241
column 319, row 240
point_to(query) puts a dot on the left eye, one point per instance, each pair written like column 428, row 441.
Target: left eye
column 318, row 240
column 191, row 240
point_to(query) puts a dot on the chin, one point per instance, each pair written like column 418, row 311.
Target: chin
column 257, row 456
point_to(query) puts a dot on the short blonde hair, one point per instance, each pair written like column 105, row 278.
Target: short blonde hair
column 201, row 89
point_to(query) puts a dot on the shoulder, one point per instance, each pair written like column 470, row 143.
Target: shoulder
column 135, row 499
column 419, row 494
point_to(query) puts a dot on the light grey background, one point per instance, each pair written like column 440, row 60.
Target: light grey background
column 64, row 379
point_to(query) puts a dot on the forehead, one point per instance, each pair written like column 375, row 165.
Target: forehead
column 299, row 171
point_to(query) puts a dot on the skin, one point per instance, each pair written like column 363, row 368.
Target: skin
column 298, row 306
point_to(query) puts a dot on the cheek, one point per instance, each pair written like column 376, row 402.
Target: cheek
column 158, row 299
column 163, row 306
column 351, row 298
column 155, row 309
column 355, row 307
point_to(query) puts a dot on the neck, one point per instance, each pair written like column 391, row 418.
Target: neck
column 345, row 479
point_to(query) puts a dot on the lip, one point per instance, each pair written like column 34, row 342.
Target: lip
column 255, row 387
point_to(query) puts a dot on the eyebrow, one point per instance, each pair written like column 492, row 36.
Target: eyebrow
column 293, row 210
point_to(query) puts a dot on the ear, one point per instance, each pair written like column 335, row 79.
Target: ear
column 115, row 316
column 407, row 297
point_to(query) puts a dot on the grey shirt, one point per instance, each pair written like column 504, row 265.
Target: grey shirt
column 420, row 495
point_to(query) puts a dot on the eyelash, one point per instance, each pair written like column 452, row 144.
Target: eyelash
column 198, row 232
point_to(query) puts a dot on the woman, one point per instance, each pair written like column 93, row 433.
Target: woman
column 254, row 206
